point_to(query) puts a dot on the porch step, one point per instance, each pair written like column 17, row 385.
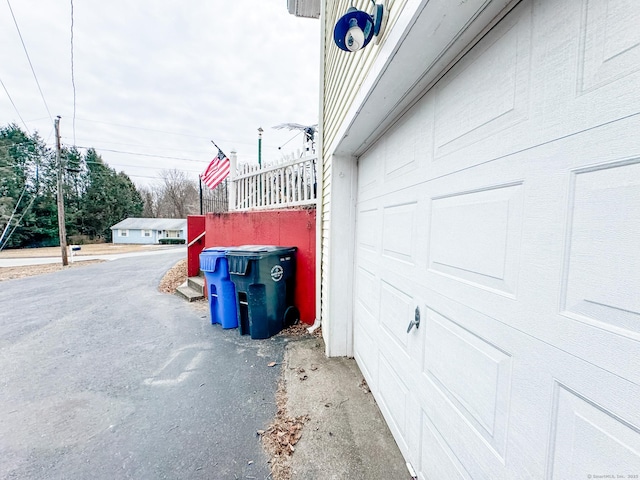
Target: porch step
column 192, row 289
column 197, row 283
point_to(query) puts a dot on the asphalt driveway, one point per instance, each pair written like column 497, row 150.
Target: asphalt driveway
column 102, row 376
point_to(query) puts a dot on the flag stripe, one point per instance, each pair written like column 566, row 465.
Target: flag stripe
column 217, row 171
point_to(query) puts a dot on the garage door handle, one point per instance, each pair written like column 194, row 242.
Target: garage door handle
column 416, row 321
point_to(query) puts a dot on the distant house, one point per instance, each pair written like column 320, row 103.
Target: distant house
column 148, row 230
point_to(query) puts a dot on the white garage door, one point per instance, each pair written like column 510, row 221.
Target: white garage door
column 505, row 208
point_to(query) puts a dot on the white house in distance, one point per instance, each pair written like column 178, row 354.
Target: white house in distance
column 481, row 174
column 148, row 230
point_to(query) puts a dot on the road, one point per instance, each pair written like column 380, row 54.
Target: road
column 33, row 260
column 102, row 376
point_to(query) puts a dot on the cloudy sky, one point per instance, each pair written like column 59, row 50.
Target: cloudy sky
column 156, row 80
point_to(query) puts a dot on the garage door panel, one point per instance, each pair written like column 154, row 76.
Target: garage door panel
column 366, row 352
column 367, row 291
column 595, row 422
column 370, row 172
column 587, row 437
column 394, row 397
column 437, row 460
column 396, row 311
column 476, row 237
column 472, row 373
column 484, row 94
column 406, row 143
column 600, row 283
column 470, row 447
column 534, row 418
column 593, row 84
column 610, row 42
column 399, row 232
column 367, row 236
column 409, row 147
column 594, row 51
column 501, row 423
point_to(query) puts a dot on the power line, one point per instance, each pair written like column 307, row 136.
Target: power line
column 143, row 154
column 141, row 145
column 29, row 59
column 133, row 127
column 14, row 107
column 114, row 165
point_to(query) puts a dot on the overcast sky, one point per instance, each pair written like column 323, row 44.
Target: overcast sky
column 161, row 78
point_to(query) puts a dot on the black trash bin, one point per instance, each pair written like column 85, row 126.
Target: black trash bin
column 264, row 277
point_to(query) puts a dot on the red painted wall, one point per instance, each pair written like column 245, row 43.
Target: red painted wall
column 195, row 226
column 287, row 228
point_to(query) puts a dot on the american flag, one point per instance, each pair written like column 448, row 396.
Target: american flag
column 217, row 170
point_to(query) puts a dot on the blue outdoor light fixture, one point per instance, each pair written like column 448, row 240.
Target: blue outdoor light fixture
column 355, row 29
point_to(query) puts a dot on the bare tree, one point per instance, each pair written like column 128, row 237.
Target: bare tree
column 178, row 195
column 150, row 197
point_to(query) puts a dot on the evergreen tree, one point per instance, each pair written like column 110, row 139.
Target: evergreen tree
column 110, row 197
column 95, row 196
column 25, row 172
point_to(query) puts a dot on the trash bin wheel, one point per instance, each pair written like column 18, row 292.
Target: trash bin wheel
column 291, row 316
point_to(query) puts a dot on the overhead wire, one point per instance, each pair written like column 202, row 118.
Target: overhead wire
column 15, row 107
column 6, row 228
column 134, row 127
column 140, row 145
column 145, row 154
column 29, row 59
column 17, row 224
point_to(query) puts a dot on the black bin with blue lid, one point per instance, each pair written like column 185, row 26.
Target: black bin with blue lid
column 264, row 277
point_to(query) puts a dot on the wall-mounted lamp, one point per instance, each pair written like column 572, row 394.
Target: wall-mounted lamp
column 355, row 29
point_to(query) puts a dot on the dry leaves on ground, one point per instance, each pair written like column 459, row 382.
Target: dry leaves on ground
column 280, row 438
column 300, row 330
column 175, row 277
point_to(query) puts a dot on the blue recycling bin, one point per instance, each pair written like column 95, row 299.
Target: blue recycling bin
column 220, row 289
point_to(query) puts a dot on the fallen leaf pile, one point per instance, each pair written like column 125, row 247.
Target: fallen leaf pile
column 280, row 438
column 300, row 330
column 175, row 277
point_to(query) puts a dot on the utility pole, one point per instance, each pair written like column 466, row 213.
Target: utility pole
column 61, row 222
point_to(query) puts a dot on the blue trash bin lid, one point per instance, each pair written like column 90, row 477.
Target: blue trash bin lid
column 209, row 257
column 211, row 250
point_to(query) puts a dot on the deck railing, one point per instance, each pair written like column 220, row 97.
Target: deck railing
column 289, row 182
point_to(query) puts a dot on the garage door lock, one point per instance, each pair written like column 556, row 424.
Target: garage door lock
column 416, row 320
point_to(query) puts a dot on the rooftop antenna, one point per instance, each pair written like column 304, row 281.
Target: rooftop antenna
column 308, row 139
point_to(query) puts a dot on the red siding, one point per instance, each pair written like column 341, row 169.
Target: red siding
column 195, row 226
column 288, row 228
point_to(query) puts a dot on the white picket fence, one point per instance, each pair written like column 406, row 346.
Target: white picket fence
column 289, row 182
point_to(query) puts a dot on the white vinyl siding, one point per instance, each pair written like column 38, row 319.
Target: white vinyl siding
column 344, row 71
column 342, row 76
